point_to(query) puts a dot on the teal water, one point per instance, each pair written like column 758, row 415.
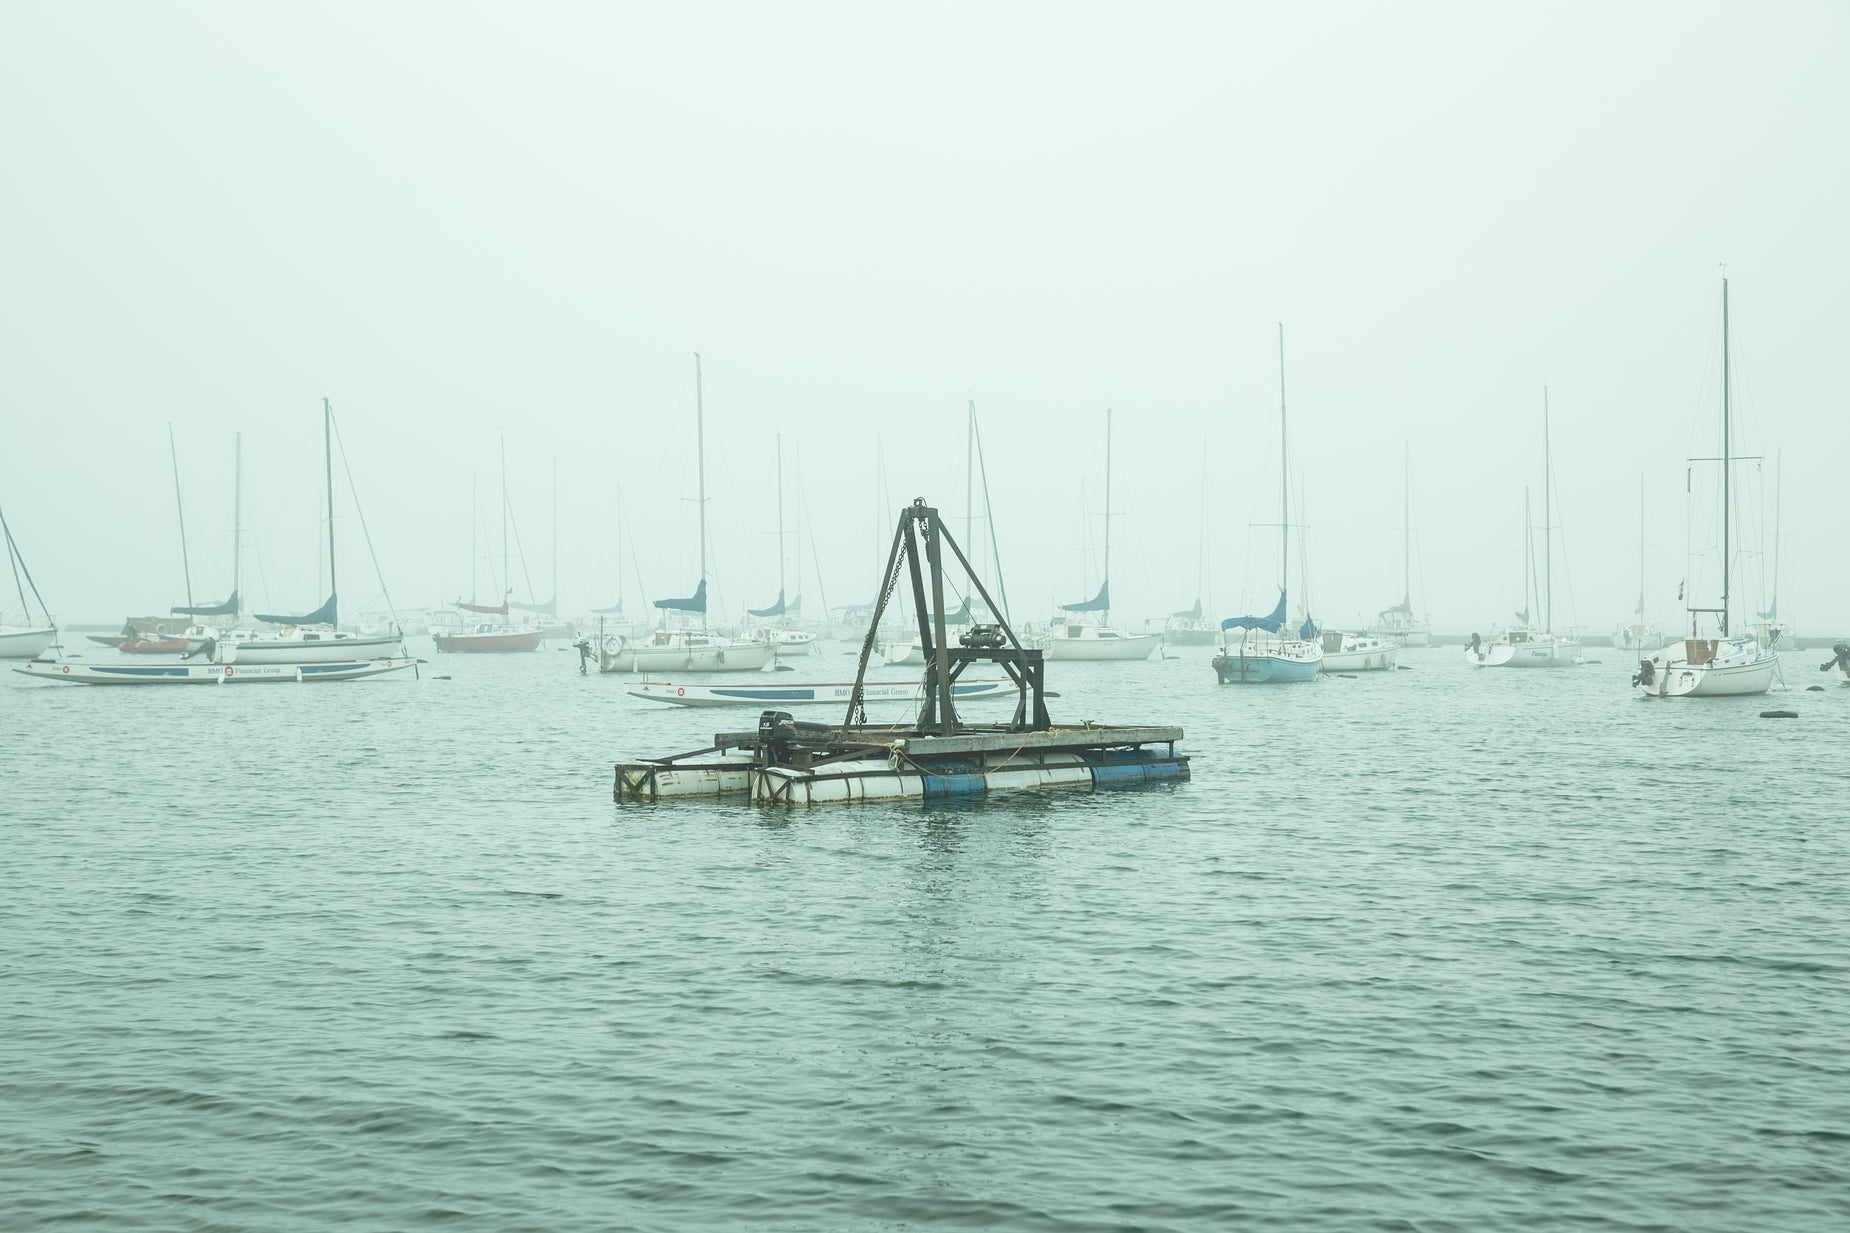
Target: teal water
column 1440, row 950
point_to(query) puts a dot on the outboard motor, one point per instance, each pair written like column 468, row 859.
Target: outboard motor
column 1646, row 674
column 208, row 648
column 1840, row 657
column 989, row 636
column 584, row 654
column 1474, row 648
column 778, row 731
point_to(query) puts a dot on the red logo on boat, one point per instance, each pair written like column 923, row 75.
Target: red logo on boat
column 227, row 669
column 67, row 669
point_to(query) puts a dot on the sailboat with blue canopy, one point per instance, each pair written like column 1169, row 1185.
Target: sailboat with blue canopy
column 1264, row 653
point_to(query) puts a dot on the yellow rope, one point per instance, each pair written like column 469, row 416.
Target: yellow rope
column 924, row 770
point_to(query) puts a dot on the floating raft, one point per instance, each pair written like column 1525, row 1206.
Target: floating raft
column 868, row 763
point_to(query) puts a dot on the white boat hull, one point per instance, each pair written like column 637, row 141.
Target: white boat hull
column 16, row 643
column 315, row 649
column 735, row 657
column 1361, row 655
column 238, row 673
column 1090, row 644
column 1707, row 669
column 1547, row 653
column 788, row 643
column 1267, row 661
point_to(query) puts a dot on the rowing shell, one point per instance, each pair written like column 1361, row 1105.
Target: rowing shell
column 807, row 695
column 210, row 674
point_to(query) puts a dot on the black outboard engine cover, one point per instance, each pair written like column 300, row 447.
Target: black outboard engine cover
column 780, row 730
column 1646, row 673
column 983, row 636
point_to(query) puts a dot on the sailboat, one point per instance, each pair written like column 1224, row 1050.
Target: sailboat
column 1264, row 653
column 315, row 637
column 1522, row 645
column 165, row 635
column 1189, row 627
column 1640, row 634
column 1067, row 638
column 1729, row 664
column 547, row 614
column 1399, row 624
column 667, row 649
column 784, row 639
column 199, row 631
column 26, row 641
column 488, row 629
column 1772, row 633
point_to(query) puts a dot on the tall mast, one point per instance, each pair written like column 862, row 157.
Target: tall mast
column 507, row 577
column 780, row 520
column 1284, row 475
column 1727, row 466
column 327, row 450
column 186, row 567
column 1779, row 474
column 970, row 467
column 1548, row 535
column 237, row 521
column 1406, row 529
column 1528, row 553
column 1107, row 617
column 798, row 463
column 700, row 448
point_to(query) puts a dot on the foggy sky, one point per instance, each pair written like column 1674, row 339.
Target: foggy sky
column 459, row 221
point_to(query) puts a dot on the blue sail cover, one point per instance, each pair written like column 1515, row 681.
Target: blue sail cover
column 776, row 609
column 1098, row 603
column 1192, row 614
column 1772, row 613
column 1307, row 630
column 1270, row 624
column 697, row 602
column 607, row 611
column 324, row 615
column 228, row 608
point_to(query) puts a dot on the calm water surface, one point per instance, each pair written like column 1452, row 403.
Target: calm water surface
column 1434, row 950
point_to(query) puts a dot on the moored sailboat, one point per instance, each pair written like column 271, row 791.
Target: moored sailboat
column 1070, row 638
column 686, row 650
column 1264, row 653
column 315, row 637
column 1640, row 634
column 1729, row 665
column 1400, row 624
column 1522, row 645
column 27, row 641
